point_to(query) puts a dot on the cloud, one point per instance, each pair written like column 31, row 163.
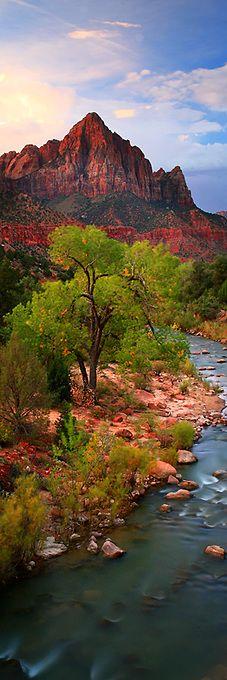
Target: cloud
column 31, row 110
column 122, row 24
column 124, row 113
column 207, row 87
column 183, row 138
column 88, row 34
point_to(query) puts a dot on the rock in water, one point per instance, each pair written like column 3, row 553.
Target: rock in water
column 186, row 457
column 215, row 551
column 111, row 550
column 165, row 507
column 220, row 474
column 180, row 495
column 93, row 546
column 172, row 480
column 162, row 470
column 51, row 548
column 189, row 485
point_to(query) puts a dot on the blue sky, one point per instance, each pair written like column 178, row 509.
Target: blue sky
column 155, row 70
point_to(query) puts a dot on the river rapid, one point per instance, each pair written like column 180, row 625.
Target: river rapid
column 159, row 612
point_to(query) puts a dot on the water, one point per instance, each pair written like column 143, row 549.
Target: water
column 159, row 612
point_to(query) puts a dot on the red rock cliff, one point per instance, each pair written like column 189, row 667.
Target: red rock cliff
column 91, row 160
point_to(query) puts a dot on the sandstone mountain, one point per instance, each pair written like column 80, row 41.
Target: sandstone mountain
column 95, row 176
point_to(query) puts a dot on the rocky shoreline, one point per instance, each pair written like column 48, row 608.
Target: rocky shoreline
column 200, row 406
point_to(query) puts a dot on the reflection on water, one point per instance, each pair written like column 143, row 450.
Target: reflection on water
column 159, row 612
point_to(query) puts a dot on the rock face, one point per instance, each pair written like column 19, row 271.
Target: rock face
column 91, row 160
column 93, row 176
column 215, row 551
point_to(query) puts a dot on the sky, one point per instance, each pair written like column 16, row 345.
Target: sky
column 154, row 70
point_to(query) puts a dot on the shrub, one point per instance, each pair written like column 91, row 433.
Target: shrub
column 158, row 366
column 142, row 382
column 23, row 385
column 58, row 379
column 127, row 460
column 22, row 522
column 6, row 434
column 183, row 435
column 169, row 455
column 165, row 436
column 64, row 485
column 71, row 439
column 189, row 368
column 184, row 385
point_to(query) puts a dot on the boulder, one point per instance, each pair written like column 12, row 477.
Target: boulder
column 181, row 495
column 215, row 551
column 111, row 550
column 162, row 470
column 205, row 351
column 186, row 457
column 119, row 522
column 93, row 546
column 172, row 480
column 221, row 361
column 189, row 485
column 165, row 507
column 51, row 548
column 124, row 433
column 220, row 474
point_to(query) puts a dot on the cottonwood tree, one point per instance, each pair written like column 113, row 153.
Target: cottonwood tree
column 114, row 289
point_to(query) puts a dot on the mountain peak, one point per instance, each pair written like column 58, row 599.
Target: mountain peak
column 91, row 160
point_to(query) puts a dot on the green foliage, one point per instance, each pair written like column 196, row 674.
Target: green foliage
column 183, row 434
column 6, row 434
column 58, row 379
column 184, row 386
column 201, row 291
column 23, row 385
column 207, row 306
column 104, row 313
column 140, row 351
column 71, row 439
column 22, row 519
column 169, row 455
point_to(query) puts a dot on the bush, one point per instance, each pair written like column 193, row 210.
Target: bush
column 23, row 385
column 71, row 439
column 21, row 526
column 6, row 434
column 183, row 435
column 169, row 455
column 190, row 369
column 184, row 386
column 58, row 379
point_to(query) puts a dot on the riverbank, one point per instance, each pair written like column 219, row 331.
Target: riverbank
column 84, row 612
column 133, row 439
column 147, row 422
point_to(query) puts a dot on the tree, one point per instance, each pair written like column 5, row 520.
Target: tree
column 115, row 289
column 23, row 385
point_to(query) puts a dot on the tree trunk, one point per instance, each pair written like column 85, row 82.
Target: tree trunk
column 93, row 380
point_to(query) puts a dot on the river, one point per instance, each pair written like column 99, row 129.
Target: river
column 159, row 612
